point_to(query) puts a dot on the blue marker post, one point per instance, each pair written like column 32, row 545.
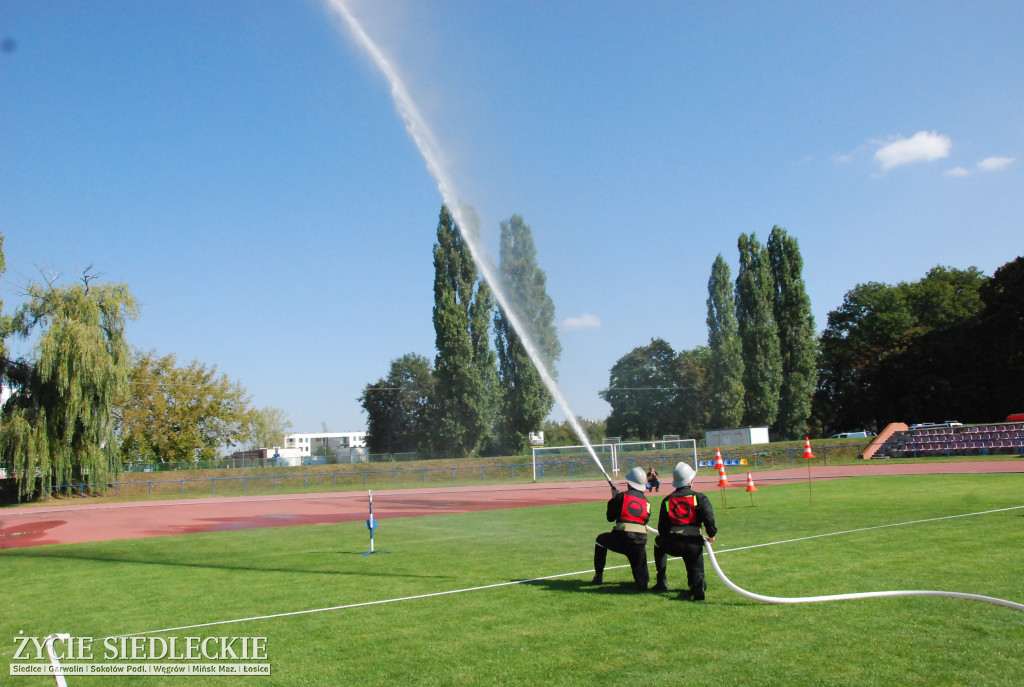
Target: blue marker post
column 371, row 525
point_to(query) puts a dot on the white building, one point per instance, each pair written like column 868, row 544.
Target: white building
column 736, row 437
column 311, row 443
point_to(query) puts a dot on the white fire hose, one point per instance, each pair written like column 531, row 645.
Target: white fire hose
column 58, row 672
column 842, row 597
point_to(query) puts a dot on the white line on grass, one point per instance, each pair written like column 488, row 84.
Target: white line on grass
column 536, row 579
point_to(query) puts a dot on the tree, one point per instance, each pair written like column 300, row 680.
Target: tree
column 462, row 402
column 398, row 407
column 725, row 354
column 791, row 308
column 267, row 427
column 1001, row 336
column 562, row 433
column 481, row 312
column 4, row 324
column 759, row 334
column 693, row 401
column 180, row 414
column 59, row 422
column 525, row 400
column 642, row 387
column 889, row 352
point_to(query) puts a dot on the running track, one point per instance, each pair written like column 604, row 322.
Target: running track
column 68, row 523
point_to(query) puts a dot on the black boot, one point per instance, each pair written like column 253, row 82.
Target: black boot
column 661, row 585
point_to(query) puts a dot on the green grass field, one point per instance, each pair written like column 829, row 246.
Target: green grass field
column 560, row 630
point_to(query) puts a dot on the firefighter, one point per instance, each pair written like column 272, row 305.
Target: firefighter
column 630, row 512
column 682, row 514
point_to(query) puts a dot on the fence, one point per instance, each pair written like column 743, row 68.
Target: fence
column 499, row 474
column 354, row 456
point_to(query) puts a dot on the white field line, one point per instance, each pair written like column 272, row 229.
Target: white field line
column 536, row 579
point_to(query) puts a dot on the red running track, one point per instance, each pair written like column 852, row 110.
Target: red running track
column 84, row 522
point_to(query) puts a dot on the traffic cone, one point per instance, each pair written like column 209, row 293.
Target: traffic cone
column 750, row 482
column 723, row 481
column 807, row 449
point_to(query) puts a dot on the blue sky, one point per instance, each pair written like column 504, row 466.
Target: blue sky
column 242, row 167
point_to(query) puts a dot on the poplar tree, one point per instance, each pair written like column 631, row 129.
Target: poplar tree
column 797, row 345
column 462, row 407
column 58, row 424
column 525, row 400
column 480, row 313
column 759, row 335
column 725, row 357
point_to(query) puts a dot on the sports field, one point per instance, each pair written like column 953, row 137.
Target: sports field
column 501, row 597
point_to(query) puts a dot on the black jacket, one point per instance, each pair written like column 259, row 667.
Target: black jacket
column 702, row 515
column 614, row 510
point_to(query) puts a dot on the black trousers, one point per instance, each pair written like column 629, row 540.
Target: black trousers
column 633, row 545
column 691, row 550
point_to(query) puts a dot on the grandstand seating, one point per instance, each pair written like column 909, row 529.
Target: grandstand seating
column 998, row 439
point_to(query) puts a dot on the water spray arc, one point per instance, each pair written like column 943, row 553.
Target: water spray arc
column 427, row 144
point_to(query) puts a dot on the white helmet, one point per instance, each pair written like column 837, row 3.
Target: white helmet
column 637, row 478
column 682, row 475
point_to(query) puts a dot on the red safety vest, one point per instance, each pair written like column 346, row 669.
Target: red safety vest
column 682, row 510
column 634, row 509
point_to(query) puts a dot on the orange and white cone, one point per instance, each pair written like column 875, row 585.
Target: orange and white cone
column 750, row 482
column 723, row 481
column 807, row 449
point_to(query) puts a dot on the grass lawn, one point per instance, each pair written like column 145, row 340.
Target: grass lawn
column 559, row 630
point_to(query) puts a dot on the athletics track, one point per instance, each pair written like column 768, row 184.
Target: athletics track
column 82, row 522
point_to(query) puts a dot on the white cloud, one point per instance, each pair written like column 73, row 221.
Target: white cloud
column 923, row 146
column 584, row 321
column 957, row 172
column 991, row 164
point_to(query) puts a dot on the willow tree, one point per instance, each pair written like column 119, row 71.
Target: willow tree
column 525, row 400
column 59, row 422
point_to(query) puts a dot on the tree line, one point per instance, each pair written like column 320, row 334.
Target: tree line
column 910, row 351
column 472, row 399
column 758, row 368
column 83, row 403
column 949, row 346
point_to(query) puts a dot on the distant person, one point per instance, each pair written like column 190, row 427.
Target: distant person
column 682, row 514
column 630, row 511
column 652, row 480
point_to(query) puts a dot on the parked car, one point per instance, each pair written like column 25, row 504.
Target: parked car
column 936, row 425
column 852, row 435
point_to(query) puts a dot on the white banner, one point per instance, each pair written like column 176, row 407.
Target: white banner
column 141, row 669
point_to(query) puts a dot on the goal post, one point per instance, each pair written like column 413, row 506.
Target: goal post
column 571, row 461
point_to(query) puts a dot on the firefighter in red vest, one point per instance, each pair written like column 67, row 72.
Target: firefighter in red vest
column 630, row 511
column 679, row 522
